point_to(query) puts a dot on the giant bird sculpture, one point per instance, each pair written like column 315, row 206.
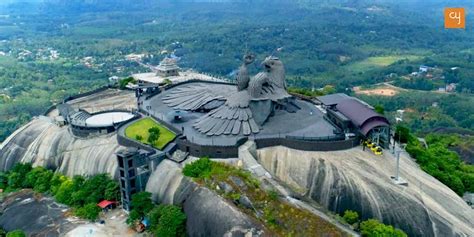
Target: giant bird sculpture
column 236, row 110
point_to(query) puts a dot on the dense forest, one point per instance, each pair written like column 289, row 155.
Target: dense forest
column 54, row 48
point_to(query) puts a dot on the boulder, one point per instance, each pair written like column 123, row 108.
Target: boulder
column 358, row 180
column 207, row 213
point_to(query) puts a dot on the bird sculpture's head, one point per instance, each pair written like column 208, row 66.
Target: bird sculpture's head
column 275, row 70
column 249, row 58
column 272, row 64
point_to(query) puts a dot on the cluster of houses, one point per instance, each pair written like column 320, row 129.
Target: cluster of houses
column 430, row 73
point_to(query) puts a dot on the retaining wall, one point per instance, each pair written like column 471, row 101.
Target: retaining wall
column 306, row 145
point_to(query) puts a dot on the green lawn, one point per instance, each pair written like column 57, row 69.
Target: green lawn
column 141, row 128
column 378, row 62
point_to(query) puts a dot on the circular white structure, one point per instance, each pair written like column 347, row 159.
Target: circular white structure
column 108, row 119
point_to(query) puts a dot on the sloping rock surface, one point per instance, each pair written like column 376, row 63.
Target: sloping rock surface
column 36, row 216
column 207, row 213
column 43, row 143
column 358, row 180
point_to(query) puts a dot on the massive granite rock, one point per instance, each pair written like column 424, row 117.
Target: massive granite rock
column 35, row 215
column 358, row 180
column 207, row 213
column 43, row 143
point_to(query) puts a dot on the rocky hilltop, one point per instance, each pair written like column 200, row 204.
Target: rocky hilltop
column 207, row 213
column 43, row 143
column 351, row 179
column 358, row 180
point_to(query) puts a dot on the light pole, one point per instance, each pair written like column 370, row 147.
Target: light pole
column 397, row 179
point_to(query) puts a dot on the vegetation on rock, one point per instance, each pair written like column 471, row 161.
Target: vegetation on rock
column 82, row 194
column 351, row 217
column 16, row 233
column 124, row 82
column 246, row 192
column 373, row 228
column 440, row 162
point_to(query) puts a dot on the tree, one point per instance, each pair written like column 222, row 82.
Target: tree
column 402, row 134
column 351, row 217
column 65, row 191
column 154, row 135
column 112, row 191
column 56, row 182
column 373, row 228
column 154, row 216
column 16, row 233
column 89, row 211
column 379, row 109
column 3, row 180
column 172, row 222
column 39, row 179
column 16, row 178
column 141, row 204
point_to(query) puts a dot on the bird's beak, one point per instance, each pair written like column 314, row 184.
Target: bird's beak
column 265, row 64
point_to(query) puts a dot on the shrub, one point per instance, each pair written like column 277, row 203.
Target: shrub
column 124, row 82
column 198, row 169
column 138, row 137
column 351, row 217
column 89, row 211
column 273, row 195
column 373, row 228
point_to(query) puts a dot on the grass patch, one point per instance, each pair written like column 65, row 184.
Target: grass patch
column 140, row 128
column 379, row 62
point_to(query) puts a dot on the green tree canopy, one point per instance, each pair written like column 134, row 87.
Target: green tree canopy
column 373, row 228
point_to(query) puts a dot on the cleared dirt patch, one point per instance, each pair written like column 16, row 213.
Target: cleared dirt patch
column 378, row 91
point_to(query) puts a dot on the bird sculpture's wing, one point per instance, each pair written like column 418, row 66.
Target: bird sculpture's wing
column 260, row 86
column 195, row 96
column 227, row 120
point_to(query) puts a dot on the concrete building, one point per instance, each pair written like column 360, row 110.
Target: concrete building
column 352, row 115
column 135, row 166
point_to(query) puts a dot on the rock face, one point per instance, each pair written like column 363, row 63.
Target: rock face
column 358, row 180
column 43, row 143
column 207, row 213
column 35, row 216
